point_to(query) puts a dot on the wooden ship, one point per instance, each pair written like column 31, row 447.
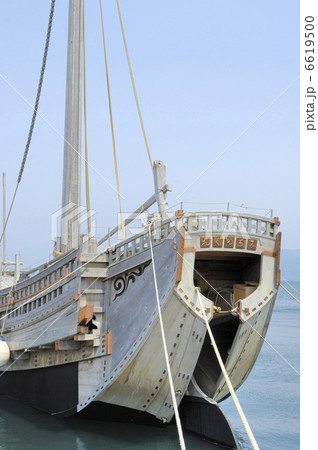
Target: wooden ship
column 83, row 329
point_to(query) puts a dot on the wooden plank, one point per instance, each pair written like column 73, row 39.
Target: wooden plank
column 85, row 315
column 82, row 330
column 239, row 310
column 85, row 337
column 278, row 246
column 109, row 343
column 267, row 253
column 180, row 255
column 189, row 249
column 67, row 345
column 239, row 292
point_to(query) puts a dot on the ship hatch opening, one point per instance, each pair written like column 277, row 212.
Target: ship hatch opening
column 226, row 277
column 207, row 370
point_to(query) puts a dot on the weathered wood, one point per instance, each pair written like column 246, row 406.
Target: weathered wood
column 278, row 247
column 180, row 255
column 109, row 343
column 67, row 345
column 267, row 253
column 85, row 315
column 82, row 330
column 85, row 337
column 70, row 229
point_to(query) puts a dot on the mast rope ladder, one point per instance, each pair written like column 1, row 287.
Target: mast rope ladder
column 35, row 111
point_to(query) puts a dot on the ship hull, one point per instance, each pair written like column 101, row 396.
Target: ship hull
column 88, row 328
column 50, row 389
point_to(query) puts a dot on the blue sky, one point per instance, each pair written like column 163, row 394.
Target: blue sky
column 204, row 71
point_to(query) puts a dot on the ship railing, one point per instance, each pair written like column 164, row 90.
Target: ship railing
column 220, row 222
column 209, row 222
column 139, row 243
column 216, row 222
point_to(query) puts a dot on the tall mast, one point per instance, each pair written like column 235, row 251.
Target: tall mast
column 4, row 221
column 71, row 199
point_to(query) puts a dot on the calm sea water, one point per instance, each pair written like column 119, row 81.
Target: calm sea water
column 269, row 398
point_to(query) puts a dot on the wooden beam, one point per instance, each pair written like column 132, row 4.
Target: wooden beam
column 82, row 330
column 109, row 343
column 85, row 315
column 67, row 345
column 180, row 255
column 189, row 249
column 267, row 253
column 278, row 246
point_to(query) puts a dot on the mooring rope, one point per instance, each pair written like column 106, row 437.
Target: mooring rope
column 285, row 281
column 164, row 343
column 227, row 379
column 290, row 293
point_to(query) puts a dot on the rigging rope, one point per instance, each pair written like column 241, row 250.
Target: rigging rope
column 290, row 293
column 133, row 84
column 112, row 123
column 290, row 285
column 173, row 395
column 88, row 202
column 35, row 110
column 227, row 379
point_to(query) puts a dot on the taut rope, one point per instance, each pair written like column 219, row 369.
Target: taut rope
column 227, row 379
column 112, row 123
column 164, row 344
column 133, row 84
column 290, row 293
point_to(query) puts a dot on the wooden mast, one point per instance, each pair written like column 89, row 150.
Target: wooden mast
column 71, row 199
column 4, row 221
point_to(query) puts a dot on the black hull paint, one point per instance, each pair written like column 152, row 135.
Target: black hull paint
column 197, row 416
column 53, row 390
